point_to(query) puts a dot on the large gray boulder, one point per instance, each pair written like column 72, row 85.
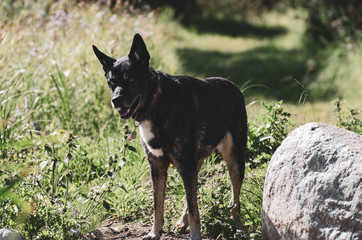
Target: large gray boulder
column 10, row 234
column 313, row 186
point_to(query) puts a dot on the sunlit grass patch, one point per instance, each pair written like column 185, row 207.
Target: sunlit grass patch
column 48, row 67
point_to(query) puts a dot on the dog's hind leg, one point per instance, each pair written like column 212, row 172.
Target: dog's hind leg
column 183, row 222
column 232, row 150
column 158, row 168
column 189, row 177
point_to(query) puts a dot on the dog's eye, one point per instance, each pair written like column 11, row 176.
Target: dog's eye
column 110, row 84
column 125, row 76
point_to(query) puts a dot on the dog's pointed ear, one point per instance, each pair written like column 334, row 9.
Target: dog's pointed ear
column 139, row 53
column 107, row 62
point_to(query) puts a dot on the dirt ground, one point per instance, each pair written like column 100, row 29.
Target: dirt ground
column 115, row 229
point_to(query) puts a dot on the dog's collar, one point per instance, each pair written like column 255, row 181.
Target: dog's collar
column 155, row 96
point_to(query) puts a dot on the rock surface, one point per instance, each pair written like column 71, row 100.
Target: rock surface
column 10, row 234
column 313, row 186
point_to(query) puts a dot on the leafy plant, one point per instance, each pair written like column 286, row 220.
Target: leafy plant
column 266, row 136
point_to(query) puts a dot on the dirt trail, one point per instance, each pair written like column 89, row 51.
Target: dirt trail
column 116, row 230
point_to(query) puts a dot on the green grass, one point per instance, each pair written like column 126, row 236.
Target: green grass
column 64, row 158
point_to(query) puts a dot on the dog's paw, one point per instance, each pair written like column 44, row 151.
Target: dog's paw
column 235, row 215
column 151, row 236
column 181, row 227
column 182, row 224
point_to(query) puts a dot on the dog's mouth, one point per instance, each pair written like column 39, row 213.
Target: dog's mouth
column 127, row 112
column 123, row 111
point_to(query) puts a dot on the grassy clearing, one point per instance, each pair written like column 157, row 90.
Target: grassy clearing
column 271, row 56
column 267, row 53
column 65, row 160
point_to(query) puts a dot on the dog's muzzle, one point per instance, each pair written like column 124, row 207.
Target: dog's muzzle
column 116, row 101
column 125, row 110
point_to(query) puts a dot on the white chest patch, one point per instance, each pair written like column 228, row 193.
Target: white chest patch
column 147, row 135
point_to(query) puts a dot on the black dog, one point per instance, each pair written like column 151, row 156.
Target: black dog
column 182, row 121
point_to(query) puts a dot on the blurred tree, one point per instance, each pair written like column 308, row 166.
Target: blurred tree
column 333, row 20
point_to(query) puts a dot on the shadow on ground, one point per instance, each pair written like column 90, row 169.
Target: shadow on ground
column 274, row 71
column 234, row 28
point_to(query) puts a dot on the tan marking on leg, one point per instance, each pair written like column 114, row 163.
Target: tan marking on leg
column 225, row 148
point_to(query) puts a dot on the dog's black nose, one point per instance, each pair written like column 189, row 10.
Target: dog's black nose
column 116, row 101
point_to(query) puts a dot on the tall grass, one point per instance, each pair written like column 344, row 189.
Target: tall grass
column 57, row 125
column 47, row 68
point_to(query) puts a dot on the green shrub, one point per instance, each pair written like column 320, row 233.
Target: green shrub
column 265, row 136
column 350, row 120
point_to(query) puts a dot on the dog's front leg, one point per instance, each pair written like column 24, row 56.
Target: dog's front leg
column 189, row 177
column 158, row 169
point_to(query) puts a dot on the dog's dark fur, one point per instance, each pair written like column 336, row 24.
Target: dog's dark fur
column 182, row 121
